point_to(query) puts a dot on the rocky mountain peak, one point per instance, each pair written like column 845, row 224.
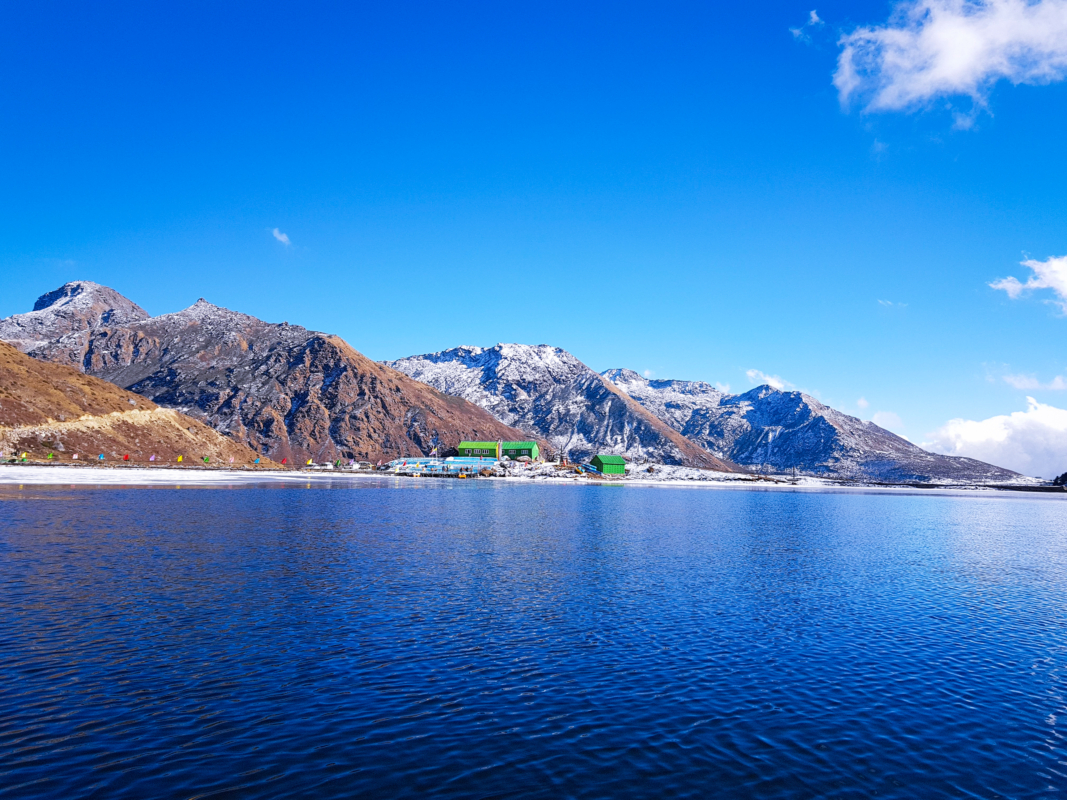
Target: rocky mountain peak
column 66, row 294
column 74, row 308
column 618, row 376
column 86, row 296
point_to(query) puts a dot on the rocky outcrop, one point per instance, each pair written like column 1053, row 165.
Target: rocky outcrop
column 549, row 393
column 55, row 409
column 787, row 430
column 281, row 389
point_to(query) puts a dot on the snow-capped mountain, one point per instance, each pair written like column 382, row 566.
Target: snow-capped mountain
column 282, row 389
column 72, row 311
column 549, row 393
column 787, row 430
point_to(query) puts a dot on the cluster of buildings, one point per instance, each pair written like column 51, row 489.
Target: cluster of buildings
column 519, row 451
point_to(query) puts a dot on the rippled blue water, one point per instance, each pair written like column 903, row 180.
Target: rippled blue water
column 492, row 640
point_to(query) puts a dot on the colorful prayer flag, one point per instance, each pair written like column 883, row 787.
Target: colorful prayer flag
column 152, row 457
column 256, row 461
column 126, row 457
column 180, row 459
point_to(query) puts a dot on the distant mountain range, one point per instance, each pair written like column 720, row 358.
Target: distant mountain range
column 281, row 389
column 285, row 391
column 787, row 430
column 548, row 392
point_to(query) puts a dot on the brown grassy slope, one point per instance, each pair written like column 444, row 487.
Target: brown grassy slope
column 54, row 408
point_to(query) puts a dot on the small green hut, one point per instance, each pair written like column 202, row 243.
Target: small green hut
column 609, row 465
column 517, row 450
column 476, row 449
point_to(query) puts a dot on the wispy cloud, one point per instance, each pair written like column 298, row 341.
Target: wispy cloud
column 813, row 22
column 862, row 403
column 1031, row 382
column 1048, row 274
column 648, row 373
column 723, row 387
column 891, row 304
column 759, row 377
column 1033, row 442
column 943, row 48
column 281, row 237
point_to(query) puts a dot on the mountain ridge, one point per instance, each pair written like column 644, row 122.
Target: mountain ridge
column 789, row 429
column 546, row 391
column 281, row 389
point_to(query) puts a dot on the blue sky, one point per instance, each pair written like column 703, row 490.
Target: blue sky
column 676, row 188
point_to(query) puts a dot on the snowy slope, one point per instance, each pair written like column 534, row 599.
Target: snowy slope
column 549, row 393
column 786, row 430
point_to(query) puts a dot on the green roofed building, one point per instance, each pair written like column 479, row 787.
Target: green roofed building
column 609, row 465
column 517, row 450
column 513, row 450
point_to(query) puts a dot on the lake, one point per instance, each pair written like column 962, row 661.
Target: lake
column 483, row 639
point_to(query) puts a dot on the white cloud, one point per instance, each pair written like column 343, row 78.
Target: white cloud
column 756, row 376
column 723, row 387
column 649, row 373
column 891, row 304
column 281, row 237
column 888, row 420
column 1048, row 274
column 1033, row 442
column 862, row 403
column 1031, row 382
column 943, row 48
column 813, row 21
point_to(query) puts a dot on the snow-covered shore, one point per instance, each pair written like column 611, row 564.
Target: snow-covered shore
column 61, row 475
column 666, row 475
column 64, row 475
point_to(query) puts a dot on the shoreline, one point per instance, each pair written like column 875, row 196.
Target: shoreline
column 132, row 476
